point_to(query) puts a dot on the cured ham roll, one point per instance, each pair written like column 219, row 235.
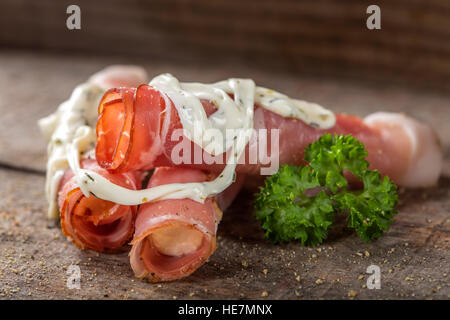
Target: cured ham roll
column 93, row 223
column 135, row 127
column 175, row 237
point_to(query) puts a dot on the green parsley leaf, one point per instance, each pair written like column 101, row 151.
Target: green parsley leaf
column 370, row 212
column 288, row 211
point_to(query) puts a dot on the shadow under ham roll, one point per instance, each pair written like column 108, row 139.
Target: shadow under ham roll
column 175, row 237
column 93, row 223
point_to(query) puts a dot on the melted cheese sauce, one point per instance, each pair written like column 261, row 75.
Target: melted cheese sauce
column 71, row 134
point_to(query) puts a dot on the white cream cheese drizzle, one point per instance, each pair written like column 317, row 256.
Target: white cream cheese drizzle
column 70, row 132
column 69, row 125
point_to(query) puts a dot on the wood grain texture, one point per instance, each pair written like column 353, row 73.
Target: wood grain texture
column 413, row 256
column 322, row 36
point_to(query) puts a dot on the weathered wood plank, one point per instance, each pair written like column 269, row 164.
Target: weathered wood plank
column 413, row 256
column 300, row 36
column 33, row 85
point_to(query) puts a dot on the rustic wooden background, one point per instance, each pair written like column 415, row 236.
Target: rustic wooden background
column 319, row 51
column 316, row 37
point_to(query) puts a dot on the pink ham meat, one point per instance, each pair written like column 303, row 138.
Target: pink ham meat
column 93, row 223
column 175, row 237
column 135, row 127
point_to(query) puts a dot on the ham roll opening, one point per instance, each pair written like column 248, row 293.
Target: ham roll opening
column 175, row 237
column 129, row 137
column 134, row 129
column 93, row 223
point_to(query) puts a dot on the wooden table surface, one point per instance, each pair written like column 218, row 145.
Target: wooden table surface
column 34, row 255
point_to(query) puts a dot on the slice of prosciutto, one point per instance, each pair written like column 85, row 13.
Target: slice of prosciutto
column 175, row 237
column 93, row 223
column 135, row 127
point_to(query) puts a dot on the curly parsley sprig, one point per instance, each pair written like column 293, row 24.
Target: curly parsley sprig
column 288, row 212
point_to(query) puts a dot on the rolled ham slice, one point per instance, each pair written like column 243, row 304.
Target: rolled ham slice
column 135, row 127
column 93, row 223
column 175, row 237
